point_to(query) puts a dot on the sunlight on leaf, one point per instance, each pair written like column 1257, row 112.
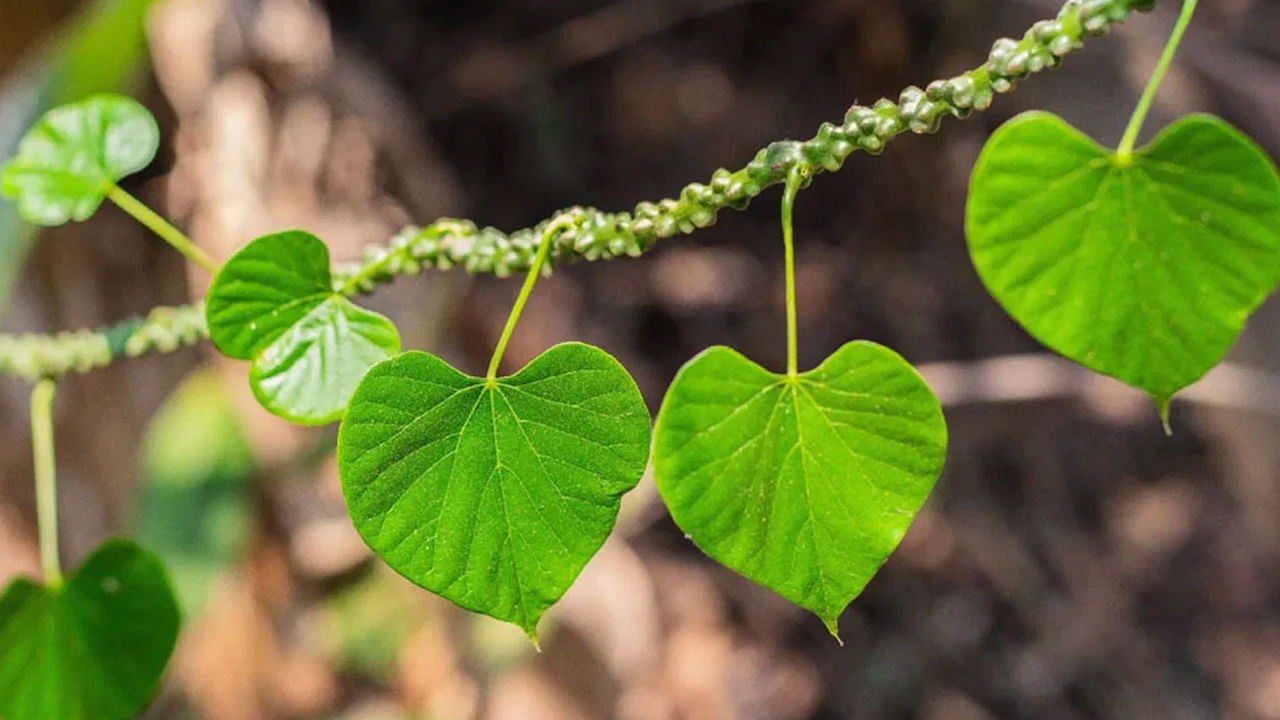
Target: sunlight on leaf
column 195, row 508
column 804, row 484
column 69, row 159
column 273, row 303
column 1145, row 271
column 493, row 494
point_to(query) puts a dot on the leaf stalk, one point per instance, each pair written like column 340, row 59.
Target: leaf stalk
column 554, row 228
column 1124, row 153
column 160, row 226
column 46, row 479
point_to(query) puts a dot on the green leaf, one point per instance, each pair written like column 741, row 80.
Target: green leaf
column 1145, row 271
column 70, row 158
column 102, row 47
column 93, row 648
column 274, row 303
column 804, row 484
column 494, row 494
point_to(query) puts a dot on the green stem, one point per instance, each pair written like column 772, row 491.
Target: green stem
column 794, row 179
column 553, row 228
column 160, row 226
column 1125, row 152
column 46, row 479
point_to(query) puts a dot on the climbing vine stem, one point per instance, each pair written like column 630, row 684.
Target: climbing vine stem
column 554, row 228
column 1125, row 151
column 593, row 234
column 795, row 179
column 46, row 479
column 160, row 226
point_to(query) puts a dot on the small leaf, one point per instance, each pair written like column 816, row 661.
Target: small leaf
column 68, row 160
column 274, row 303
column 1145, row 271
column 494, row 494
column 804, row 484
column 93, row 648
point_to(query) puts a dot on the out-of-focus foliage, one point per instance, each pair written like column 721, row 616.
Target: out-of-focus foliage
column 194, row 510
column 100, row 49
column 70, row 159
column 92, row 648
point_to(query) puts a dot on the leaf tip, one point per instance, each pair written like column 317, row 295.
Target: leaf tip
column 833, row 627
column 532, row 634
column 1163, row 405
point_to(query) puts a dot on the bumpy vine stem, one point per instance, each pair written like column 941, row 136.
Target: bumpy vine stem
column 164, row 330
column 596, row 235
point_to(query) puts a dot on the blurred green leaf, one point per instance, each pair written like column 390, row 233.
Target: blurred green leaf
column 68, row 160
column 93, row 648
column 195, row 509
column 367, row 624
column 101, row 49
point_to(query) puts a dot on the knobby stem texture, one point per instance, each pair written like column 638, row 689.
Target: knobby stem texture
column 1125, row 151
column 596, row 235
column 164, row 330
column 46, row 479
column 160, row 226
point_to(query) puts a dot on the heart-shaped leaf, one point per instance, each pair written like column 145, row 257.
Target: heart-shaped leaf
column 804, row 484
column 1145, row 269
column 274, row 303
column 69, row 159
column 93, row 648
column 494, row 494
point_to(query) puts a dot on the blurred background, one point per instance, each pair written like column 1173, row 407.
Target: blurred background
column 1074, row 562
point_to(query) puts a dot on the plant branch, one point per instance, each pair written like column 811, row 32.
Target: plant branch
column 164, row 330
column 160, row 226
column 596, row 235
column 46, row 479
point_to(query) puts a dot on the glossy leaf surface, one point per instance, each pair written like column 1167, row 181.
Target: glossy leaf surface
column 72, row 155
column 1145, row 271
column 273, row 303
column 803, row 484
column 493, row 494
column 92, row 649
